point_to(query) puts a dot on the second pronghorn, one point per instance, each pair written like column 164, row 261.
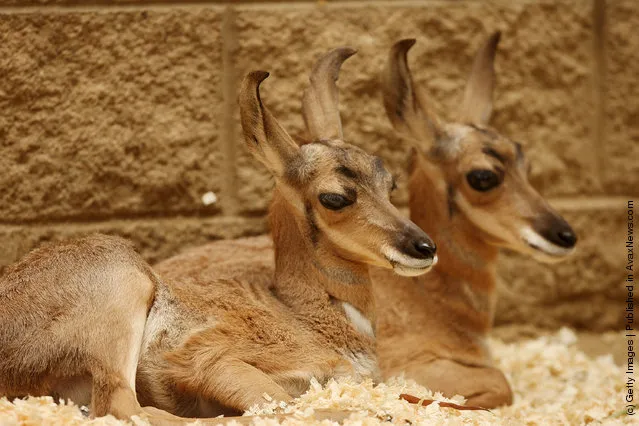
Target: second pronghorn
column 469, row 190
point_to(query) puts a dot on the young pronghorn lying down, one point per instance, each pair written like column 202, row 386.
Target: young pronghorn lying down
column 89, row 320
column 469, row 190
column 216, row 341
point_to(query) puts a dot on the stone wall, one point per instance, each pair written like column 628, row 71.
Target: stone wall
column 117, row 116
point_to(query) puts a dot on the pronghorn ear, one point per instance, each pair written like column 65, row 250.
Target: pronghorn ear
column 264, row 136
column 320, row 102
column 405, row 106
column 477, row 106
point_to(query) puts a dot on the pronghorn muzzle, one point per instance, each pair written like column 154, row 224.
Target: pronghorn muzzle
column 556, row 230
column 414, row 253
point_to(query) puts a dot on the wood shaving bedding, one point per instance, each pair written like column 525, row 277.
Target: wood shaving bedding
column 554, row 383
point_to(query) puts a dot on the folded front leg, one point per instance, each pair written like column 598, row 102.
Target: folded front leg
column 482, row 386
column 232, row 383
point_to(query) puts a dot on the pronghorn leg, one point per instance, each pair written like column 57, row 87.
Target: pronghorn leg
column 73, row 317
column 118, row 353
column 234, row 384
column 111, row 394
column 113, row 375
column 482, row 386
column 240, row 385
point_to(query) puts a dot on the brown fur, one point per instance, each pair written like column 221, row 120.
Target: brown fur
column 63, row 308
column 434, row 327
column 79, row 318
column 222, row 333
column 73, row 316
column 234, row 340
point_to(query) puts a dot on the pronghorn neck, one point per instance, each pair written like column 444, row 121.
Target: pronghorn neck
column 466, row 261
column 306, row 271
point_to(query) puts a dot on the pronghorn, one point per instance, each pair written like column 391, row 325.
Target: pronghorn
column 91, row 321
column 216, row 341
column 469, row 190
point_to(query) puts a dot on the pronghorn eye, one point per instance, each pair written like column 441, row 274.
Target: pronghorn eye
column 334, row 201
column 483, row 180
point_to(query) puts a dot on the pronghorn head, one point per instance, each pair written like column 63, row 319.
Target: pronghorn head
column 482, row 174
column 341, row 194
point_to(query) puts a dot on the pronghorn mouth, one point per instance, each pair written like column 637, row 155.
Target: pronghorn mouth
column 548, row 250
column 556, row 251
column 412, row 270
column 406, row 265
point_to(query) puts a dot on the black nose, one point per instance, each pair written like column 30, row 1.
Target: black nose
column 425, row 249
column 420, row 248
column 567, row 238
column 416, row 243
column 557, row 231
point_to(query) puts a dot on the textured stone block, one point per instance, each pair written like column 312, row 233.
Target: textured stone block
column 156, row 239
column 139, row 3
column 543, row 94
column 584, row 291
column 109, row 113
column 621, row 136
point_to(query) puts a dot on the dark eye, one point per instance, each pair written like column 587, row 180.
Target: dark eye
column 483, row 180
column 334, row 201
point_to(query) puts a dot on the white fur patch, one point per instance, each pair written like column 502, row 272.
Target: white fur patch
column 457, row 133
column 358, row 320
column 365, row 366
column 535, row 240
column 407, row 265
column 312, row 151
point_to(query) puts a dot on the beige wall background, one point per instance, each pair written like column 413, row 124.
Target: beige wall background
column 117, row 116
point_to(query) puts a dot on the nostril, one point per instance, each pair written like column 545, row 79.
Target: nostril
column 556, row 230
column 425, row 248
column 568, row 238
